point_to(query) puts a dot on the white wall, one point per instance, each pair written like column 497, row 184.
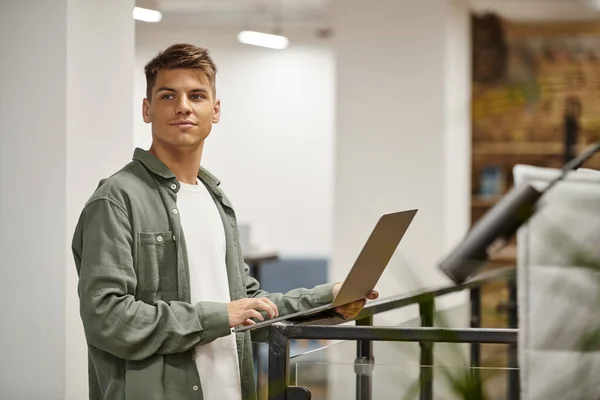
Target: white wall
column 273, row 149
column 33, row 122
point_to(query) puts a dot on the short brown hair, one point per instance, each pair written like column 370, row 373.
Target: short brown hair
column 181, row 55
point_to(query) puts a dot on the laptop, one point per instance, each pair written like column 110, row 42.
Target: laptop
column 364, row 274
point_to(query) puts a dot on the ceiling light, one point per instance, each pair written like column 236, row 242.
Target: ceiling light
column 263, row 40
column 146, row 14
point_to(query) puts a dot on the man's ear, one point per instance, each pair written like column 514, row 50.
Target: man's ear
column 146, row 111
column 217, row 112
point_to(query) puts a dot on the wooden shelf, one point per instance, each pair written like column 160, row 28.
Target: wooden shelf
column 518, row 148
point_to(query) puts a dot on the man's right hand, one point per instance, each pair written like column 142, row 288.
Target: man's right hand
column 241, row 311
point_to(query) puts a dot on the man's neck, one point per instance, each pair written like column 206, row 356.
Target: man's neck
column 184, row 163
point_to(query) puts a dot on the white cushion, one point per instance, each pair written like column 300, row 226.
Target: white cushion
column 558, row 294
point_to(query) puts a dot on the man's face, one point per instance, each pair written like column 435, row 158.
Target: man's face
column 182, row 109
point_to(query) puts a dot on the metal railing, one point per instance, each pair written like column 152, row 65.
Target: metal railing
column 364, row 333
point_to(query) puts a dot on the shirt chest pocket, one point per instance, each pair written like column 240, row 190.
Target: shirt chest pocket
column 157, row 262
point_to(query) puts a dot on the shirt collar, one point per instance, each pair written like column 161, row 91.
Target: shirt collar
column 157, row 167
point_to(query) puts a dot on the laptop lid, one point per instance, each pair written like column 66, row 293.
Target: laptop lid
column 374, row 257
column 366, row 271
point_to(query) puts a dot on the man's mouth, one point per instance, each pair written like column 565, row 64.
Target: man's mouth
column 183, row 123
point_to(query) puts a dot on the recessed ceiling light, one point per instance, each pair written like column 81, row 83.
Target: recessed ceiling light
column 146, row 14
column 263, row 40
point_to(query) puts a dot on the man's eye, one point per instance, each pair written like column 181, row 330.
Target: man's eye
column 166, row 96
column 197, row 97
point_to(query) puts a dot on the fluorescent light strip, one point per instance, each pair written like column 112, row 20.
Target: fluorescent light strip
column 146, row 15
column 263, row 40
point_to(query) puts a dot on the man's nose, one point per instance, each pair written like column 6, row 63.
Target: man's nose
column 183, row 106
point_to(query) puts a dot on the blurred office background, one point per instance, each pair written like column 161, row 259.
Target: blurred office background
column 374, row 106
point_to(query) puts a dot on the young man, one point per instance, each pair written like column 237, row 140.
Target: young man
column 162, row 279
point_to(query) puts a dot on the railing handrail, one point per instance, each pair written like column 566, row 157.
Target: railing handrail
column 399, row 333
column 394, row 302
column 398, row 301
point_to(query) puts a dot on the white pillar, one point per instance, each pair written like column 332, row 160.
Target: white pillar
column 101, row 57
column 402, row 137
column 402, row 142
column 65, row 122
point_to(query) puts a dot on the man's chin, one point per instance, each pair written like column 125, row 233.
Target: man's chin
column 188, row 141
column 178, row 146
column 180, row 142
column 187, row 145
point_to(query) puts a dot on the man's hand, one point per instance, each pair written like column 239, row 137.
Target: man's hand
column 351, row 310
column 240, row 311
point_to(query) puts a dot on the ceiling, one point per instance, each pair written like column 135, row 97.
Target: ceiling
column 249, row 13
column 244, row 12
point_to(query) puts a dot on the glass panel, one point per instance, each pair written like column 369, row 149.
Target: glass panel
column 399, row 382
column 309, row 350
column 327, row 367
column 331, row 373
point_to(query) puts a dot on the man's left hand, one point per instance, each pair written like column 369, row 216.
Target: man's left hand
column 351, row 310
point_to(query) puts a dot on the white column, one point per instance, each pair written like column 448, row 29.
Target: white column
column 402, row 142
column 101, row 57
column 65, row 122
column 457, row 129
column 402, row 136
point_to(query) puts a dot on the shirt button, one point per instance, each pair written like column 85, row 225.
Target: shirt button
column 173, row 237
column 195, row 388
column 175, row 211
column 159, row 238
column 173, row 186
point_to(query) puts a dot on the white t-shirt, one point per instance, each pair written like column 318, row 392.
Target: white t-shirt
column 217, row 361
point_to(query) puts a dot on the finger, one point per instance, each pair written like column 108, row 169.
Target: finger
column 336, row 289
column 273, row 305
column 254, row 314
column 248, row 322
column 358, row 304
column 268, row 306
column 353, row 309
column 373, row 295
column 341, row 312
column 261, row 304
column 347, row 311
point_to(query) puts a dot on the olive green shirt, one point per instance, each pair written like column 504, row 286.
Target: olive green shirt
column 134, row 288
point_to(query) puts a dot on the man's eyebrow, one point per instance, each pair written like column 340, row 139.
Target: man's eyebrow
column 167, row 89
